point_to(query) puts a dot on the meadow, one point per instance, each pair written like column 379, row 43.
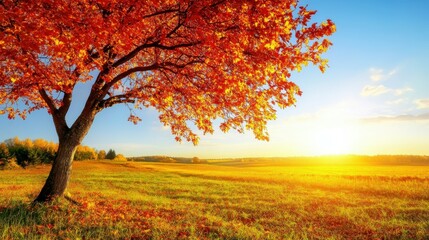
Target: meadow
column 221, row 200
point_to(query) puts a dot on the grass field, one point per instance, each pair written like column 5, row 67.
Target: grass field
column 220, row 200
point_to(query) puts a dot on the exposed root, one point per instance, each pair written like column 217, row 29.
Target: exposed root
column 68, row 198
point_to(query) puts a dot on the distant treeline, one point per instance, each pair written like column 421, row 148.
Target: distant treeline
column 167, row 159
column 409, row 160
column 15, row 152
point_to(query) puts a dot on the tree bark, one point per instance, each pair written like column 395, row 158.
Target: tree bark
column 69, row 140
column 58, row 178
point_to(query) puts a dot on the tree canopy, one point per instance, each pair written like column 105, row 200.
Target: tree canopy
column 193, row 61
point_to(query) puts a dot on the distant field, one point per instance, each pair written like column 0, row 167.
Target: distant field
column 221, row 200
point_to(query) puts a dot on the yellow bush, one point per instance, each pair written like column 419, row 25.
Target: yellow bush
column 120, row 157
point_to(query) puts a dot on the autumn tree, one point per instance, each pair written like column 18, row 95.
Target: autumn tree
column 193, row 61
column 101, row 155
column 85, row 153
column 31, row 152
column 4, row 152
column 7, row 161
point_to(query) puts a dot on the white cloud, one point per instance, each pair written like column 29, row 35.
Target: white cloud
column 332, row 114
column 402, row 91
column 397, row 118
column 422, row 103
column 378, row 74
column 396, row 101
column 369, row 90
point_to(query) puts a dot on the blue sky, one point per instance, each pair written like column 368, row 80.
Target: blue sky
column 374, row 98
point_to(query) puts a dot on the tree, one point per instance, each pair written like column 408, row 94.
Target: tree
column 85, row 153
column 195, row 160
column 6, row 160
column 4, row 154
column 101, row 155
column 111, row 154
column 4, row 151
column 31, row 152
column 193, row 61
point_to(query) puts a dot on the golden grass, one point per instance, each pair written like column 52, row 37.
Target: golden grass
column 221, row 200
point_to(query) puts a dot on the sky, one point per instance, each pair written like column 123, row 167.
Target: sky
column 373, row 99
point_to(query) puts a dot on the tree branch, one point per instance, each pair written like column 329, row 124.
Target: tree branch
column 48, row 100
column 67, row 99
column 156, row 44
column 134, row 70
column 161, row 12
column 122, row 98
column 180, row 66
column 190, row 44
column 125, row 74
column 133, row 53
column 57, row 115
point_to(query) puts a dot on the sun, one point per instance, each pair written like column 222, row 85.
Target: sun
column 332, row 141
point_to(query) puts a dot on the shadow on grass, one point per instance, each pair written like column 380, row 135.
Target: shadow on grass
column 21, row 213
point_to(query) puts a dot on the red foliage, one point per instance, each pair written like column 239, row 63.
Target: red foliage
column 193, row 61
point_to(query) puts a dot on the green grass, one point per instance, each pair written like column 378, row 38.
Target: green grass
column 267, row 200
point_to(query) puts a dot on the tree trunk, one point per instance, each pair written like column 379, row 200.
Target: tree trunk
column 58, row 178
column 69, row 140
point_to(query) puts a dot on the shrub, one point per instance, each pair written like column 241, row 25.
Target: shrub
column 120, row 157
column 8, row 164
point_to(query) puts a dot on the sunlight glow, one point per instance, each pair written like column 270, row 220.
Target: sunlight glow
column 333, row 141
